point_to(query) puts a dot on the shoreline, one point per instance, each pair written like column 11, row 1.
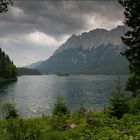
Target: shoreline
column 11, row 79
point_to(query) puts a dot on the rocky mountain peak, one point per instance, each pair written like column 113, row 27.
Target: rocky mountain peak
column 94, row 38
column 93, row 52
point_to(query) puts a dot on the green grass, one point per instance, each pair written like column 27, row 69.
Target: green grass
column 88, row 126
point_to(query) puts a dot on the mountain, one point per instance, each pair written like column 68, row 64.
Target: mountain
column 7, row 68
column 34, row 65
column 27, row 71
column 94, row 38
column 93, row 52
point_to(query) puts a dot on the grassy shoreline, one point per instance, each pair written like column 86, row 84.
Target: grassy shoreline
column 76, row 126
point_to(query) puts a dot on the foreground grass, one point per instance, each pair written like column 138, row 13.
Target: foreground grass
column 77, row 126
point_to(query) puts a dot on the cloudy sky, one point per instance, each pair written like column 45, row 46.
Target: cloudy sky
column 31, row 30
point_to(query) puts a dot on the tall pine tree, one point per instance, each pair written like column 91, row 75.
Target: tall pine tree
column 132, row 40
column 4, row 5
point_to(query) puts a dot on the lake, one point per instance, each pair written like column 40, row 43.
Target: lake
column 36, row 95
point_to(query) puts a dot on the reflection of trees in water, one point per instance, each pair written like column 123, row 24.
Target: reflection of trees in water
column 5, row 84
column 4, row 97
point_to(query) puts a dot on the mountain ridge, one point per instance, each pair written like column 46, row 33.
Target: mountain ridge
column 34, row 65
column 94, row 38
column 93, row 52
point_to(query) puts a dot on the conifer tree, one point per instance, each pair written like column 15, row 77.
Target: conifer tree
column 7, row 68
column 132, row 40
column 118, row 103
column 4, row 5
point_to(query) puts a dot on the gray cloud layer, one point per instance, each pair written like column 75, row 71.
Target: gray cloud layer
column 32, row 30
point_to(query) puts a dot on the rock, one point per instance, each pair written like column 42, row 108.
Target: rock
column 125, row 130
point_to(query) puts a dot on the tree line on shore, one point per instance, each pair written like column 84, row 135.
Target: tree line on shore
column 7, row 68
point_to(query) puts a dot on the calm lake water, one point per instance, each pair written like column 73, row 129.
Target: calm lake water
column 35, row 95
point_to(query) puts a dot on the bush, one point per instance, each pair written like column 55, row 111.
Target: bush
column 118, row 102
column 58, row 122
column 78, row 116
column 60, row 107
column 134, row 104
column 9, row 111
column 81, row 111
column 55, row 136
column 18, row 129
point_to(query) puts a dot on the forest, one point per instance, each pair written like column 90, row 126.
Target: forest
column 7, row 68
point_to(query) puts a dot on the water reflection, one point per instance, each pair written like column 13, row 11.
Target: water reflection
column 6, row 93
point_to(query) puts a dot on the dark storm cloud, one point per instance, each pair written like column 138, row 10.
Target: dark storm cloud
column 52, row 21
column 59, row 17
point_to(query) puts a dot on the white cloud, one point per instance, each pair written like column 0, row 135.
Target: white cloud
column 8, row 41
column 41, row 39
column 97, row 21
column 16, row 12
column 28, row 48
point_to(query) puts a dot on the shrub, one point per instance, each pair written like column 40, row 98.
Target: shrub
column 58, row 122
column 78, row 116
column 134, row 104
column 81, row 111
column 60, row 107
column 118, row 102
column 18, row 129
column 9, row 111
column 55, row 136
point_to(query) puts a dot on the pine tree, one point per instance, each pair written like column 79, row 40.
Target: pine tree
column 7, row 68
column 60, row 107
column 132, row 40
column 4, row 5
column 118, row 103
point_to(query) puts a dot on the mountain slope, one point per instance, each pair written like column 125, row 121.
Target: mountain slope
column 95, row 52
column 34, row 65
column 27, row 71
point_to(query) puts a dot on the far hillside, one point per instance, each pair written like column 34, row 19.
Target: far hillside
column 27, row 71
